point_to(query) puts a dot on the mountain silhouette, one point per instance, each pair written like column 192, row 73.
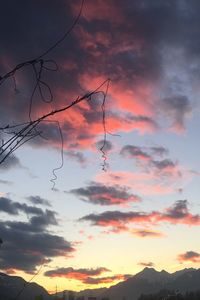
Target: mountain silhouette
column 11, row 287
column 151, row 281
column 148, row 281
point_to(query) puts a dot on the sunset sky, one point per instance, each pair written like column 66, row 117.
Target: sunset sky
column 97, row 227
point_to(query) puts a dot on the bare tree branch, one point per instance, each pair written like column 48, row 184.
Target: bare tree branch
column 21, row 133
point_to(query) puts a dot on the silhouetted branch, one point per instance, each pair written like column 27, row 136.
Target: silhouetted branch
column 22, row 133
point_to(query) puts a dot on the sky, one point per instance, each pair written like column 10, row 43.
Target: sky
column 105, row 216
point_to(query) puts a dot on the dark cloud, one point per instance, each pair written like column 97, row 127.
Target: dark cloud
column 38, row 200
column 10, row 162
column 177, row 108
column 36, row 223
column 76, row 155
column 78, row 274
column 25, row 250
column 159, row 150
column 105, row 195
column 179, row 210
column 190, row 256
column 115, row 218
column 107, row 145
column 7, row 206
column 134, row 152
column 146, row 264
column 14, row 208
column 39, row 221
column 149, row 160
column 26, row 20
column 163, row 164
column 28, row 244
column 107, row 279
column 147, row 153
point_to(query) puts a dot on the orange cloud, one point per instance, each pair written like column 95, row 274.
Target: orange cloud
column 86, row 276
column 10, row 271
column 118, row 221
column 77, row 274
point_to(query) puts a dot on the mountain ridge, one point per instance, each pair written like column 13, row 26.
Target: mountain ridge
column 148, row 281
column 12, row 287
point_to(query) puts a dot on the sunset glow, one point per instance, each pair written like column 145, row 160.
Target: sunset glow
column 111, row 185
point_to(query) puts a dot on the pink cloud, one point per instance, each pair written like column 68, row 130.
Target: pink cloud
column 100, row 10
column 136, row 101
column 142, row 183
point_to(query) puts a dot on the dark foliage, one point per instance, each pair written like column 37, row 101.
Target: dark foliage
column 171, row 295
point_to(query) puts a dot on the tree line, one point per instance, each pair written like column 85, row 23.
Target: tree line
column 171, row 295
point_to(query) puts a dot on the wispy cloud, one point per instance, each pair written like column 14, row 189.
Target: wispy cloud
column 6, row 182
column 77, row 156
column 11, row 162
column 37, row 200
column 177, row 109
